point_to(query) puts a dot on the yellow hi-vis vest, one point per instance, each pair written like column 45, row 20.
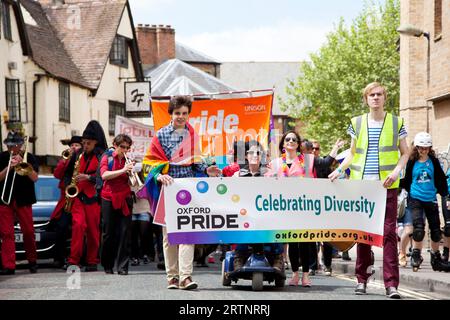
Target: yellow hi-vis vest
column 388, row 147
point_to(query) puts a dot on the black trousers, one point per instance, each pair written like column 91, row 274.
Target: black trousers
column 116, row 236
column 62, row 229
column 299, row 250
column 141, row 243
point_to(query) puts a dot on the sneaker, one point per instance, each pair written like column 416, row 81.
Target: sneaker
column 392, row 293
column 402, row 260
column 306, row 282
column 122, row 272
column 327, row 271
column 188, row 284
column 173, row 283
column 286, row 265
column 312, row 272
column 361, row 289
column 294, row 280
column 146, row 260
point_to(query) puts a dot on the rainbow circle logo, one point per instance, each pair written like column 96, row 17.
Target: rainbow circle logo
column 184, row 197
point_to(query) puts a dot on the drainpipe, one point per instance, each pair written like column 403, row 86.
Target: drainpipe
column 35, row 82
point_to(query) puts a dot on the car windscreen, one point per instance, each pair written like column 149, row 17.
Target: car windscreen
column 47, row 189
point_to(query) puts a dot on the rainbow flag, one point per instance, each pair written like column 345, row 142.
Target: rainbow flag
column 156, row 162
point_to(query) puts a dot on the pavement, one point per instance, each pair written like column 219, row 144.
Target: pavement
column 425, row 280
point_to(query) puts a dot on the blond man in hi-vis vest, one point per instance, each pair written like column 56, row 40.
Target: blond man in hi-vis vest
column 378, row 152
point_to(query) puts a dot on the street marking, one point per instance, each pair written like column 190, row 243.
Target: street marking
column 379, row 285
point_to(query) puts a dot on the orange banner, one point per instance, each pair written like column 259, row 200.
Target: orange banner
column 221, row 122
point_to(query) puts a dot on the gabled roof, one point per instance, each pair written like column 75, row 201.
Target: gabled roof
column 48, row 51
column 186, row 54
column 74, row 44
column 175, row 77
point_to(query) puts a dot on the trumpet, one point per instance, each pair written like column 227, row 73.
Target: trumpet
column 24, row 168
column 133, row 176
column 66, row 154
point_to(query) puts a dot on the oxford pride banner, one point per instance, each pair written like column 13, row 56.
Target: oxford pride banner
column 220, row 122
column 267, row 210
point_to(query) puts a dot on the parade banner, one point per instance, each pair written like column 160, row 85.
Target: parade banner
column 219, row 123
column 269, row 210
column 140, row 133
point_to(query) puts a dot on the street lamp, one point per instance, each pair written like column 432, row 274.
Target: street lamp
column 411, row 30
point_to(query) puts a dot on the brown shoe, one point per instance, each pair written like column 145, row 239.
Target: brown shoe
column 188, row 284
column 278, row 262
column 173, row 283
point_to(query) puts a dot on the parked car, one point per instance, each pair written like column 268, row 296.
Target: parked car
column 47, row 196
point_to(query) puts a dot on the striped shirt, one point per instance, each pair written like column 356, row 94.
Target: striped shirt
column 371, row 170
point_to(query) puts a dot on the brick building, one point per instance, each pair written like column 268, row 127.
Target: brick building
column 425, row 71
column 157, row 45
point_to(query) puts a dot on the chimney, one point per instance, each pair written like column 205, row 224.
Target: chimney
column 156, row 43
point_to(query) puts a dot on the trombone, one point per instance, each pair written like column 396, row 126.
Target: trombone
column 23, row 169
column 6, row 182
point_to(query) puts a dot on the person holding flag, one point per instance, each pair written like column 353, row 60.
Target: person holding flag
column 174, row 153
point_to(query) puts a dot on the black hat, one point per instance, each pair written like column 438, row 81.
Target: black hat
column 94, row 131
column 75, row 139
column 13, row 139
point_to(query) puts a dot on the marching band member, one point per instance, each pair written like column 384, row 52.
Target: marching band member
column 82, row 171
column 60, row 219
column 17, row 197
column 116, row 206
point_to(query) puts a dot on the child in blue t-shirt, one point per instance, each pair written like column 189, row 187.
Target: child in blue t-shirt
column 425, row 178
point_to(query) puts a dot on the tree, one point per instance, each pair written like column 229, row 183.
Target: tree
column 329, row 91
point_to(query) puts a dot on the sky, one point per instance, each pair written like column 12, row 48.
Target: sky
column 249, row 30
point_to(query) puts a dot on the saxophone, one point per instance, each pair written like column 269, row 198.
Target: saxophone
column 72, row 189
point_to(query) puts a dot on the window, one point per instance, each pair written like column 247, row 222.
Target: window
column 64, row 102
column 115, row 108
column 437, row 18
column 6, row 19
column 13, row 99
column 119, row 52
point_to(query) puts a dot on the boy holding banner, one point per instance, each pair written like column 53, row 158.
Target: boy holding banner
column 377, row 138
column 174, row 153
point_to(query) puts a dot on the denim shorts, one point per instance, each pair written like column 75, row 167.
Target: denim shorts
column 140, row 217
column 407, row 219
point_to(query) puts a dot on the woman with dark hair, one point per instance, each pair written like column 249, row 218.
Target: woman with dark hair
column 253, row 167
column 294, row 163
column 117, row 206
column 424, row 178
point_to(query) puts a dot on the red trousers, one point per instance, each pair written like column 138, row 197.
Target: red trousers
column 7, row 217
column 390, row 251
column 85, row 220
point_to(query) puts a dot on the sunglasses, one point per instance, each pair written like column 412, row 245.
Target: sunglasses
column 316, row 148
column 252, row 153
column 125, row 147
column 288, row 139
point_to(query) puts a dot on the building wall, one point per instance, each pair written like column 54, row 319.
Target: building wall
column 424, row 104
column 212, row 69
column 11, row 51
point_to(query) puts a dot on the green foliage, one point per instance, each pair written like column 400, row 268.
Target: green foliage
column 329, row 91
